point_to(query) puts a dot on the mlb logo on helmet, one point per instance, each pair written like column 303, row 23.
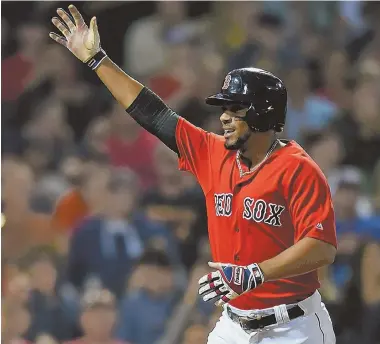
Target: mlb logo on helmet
column 227, row 81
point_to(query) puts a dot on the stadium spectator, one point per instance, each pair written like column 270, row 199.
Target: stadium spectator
column 45, row 339
column 50, row 313
column 88, row 177
column 17, row 288
column 17, row 321
column 95, row 138
column 359, row 128
column 47, row 136
column 24, row 69
column 370, row 292
column 81, row 99
column 172, row 204
column 105, row 246
column 329, row 160
column 195, row 334
column 366, row 44
column 194, row 109
column 230, row 38
column 146, row 41
column 131, row 146
column 376, row 187
column 306, row 112
column 353, row 231
column 147, row 306
column 336, row 77
column 263, row 45
column 98, row 318
column 28, row 228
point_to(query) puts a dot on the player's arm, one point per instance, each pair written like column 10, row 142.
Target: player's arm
column 311, row 210
column 141, row 103
column 193, row 145
column 307, row 255
column 230, row 281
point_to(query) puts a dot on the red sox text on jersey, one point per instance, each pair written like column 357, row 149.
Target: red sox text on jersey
column 255, row 210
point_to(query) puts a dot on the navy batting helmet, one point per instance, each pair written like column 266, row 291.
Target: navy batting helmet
column 263, row 93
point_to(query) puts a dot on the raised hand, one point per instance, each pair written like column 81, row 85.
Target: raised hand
column 81, row 40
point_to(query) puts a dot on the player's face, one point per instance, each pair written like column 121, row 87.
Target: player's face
column 236, row 130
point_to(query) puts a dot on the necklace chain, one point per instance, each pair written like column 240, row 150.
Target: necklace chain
column 238, row 154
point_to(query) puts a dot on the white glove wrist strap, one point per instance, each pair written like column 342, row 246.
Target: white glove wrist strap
column 95, row 61
column 256, row 271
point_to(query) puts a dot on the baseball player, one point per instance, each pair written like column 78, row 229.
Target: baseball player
column 270, row 215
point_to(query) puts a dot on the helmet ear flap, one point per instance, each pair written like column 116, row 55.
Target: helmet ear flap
column 261, row 123
column 250, row 116
column 255, row 121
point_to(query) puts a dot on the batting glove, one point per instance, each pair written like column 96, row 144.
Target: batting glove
column 229, row 282
column 81, row 40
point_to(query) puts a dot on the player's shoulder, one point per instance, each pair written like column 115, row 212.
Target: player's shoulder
column 219, row 139
column 296, row 160
column 213, row 139
column 217, row 146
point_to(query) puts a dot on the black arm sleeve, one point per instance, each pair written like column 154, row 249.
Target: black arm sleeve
column 154, row 115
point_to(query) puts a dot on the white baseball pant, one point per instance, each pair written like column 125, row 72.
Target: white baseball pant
column 315, row 327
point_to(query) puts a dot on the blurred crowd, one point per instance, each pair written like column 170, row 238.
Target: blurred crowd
column 104, row 239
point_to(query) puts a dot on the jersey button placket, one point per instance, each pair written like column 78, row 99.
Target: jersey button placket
column 237, row 230
column 236, row 257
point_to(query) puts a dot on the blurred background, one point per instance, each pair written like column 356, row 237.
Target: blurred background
column 104, row 239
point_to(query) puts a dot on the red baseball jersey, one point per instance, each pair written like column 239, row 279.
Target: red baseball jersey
column 254, row 217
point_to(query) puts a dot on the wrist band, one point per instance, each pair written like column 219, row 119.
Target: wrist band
column 256, row 271
column 95, row 61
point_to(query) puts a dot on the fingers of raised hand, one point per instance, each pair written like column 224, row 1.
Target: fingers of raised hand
column 61, row 27
column 77, row 16
column 58, row 39
column 66, row 18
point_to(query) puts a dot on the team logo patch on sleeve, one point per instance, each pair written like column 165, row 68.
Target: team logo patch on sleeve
column 319, row 226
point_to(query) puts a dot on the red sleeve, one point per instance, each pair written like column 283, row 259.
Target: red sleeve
column 310, row 204
column 194, row 145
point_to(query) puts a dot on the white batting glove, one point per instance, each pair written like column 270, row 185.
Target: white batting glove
column 229, row 282
column 81, row 40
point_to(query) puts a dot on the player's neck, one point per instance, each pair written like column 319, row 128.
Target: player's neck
column 257, row 147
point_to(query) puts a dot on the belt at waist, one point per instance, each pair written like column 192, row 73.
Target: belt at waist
column 259, row 322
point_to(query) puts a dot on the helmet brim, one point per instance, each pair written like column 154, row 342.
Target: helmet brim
column 220, row 99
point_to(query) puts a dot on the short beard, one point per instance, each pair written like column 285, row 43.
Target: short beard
column 240, row 142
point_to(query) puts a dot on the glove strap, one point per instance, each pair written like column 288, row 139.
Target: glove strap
column 257, row 273
column 95, row 61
